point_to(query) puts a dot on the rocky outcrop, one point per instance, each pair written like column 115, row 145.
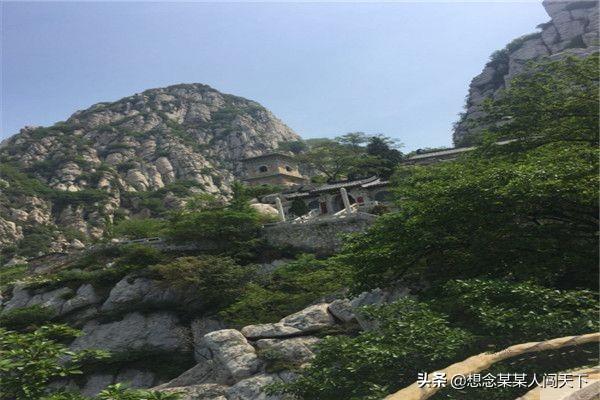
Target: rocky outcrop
column 157, row 332
column 572, row 30
column 74, row 177
column 60, row 301
column 140, row 319
column 310, row 320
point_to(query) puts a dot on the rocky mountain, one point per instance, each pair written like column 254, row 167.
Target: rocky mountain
column 572, row 29
column 64, row 184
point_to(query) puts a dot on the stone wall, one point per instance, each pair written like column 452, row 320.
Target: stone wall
column 323, row 236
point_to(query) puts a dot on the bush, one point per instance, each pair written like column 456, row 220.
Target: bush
column 9, row 275
column 410, row 337
column 288, row 289
column 504, row 312
column 29, row 361
column 217, row 281
column 140, row 255
column 36, row 241
column 139, row 228
column 221, row 226
column 26, row 317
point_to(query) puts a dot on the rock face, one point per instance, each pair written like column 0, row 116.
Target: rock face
column 309, row 320
column 140, row 321
column 159, row 331
column 572, row 30
column 73, row 177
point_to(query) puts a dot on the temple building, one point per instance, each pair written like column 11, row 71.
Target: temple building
column 301, row 198
column 272, row 169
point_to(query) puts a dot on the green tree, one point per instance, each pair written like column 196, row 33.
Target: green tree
column 353, row 155
column 553, row 101
column 29, row 361
column 410, row 337
column 330, row 158
column 288, row 289
column 502, row 313
column 216, row 281
column 138, row 228
column 526, row 210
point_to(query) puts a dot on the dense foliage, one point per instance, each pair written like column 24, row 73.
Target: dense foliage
column 410, row 337
column 525, row 210
column 216, row 281
column 287, row 289
column 30, row 361
column 353, row 155
column 500, row 247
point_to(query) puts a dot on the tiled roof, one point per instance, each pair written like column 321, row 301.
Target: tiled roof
column 344, row 184
column 306, row 191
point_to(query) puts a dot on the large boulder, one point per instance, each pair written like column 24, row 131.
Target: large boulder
column 205, row 391
column 234, row 353
column 158, row 332
column 61, row 301
column 135, row 292
column 200, row 327
column 310, row 320
column 284, row 353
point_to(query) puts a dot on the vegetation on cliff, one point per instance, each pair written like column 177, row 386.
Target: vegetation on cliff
column 503, row 242
column 498, row 247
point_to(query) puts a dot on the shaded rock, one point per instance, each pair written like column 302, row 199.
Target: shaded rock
column 96, row 383
column 342, row 309
column 85, row 296
column 158, row 331
column 61, row 301
column 207, row 371
column 135, row 378
column 131, row 291
column 253, row 388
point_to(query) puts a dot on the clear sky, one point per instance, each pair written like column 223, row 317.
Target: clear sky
column 401, row 69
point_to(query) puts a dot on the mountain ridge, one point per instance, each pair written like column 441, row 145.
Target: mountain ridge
column 104, row 161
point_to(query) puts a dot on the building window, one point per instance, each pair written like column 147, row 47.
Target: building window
column 288, row 168
column 263, row 168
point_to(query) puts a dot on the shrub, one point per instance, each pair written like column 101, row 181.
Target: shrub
column 506, row 312
column 217, row 281
column 137, row 228
column 288, row 289
column 11, row 274
column 36, row 241
column 298, row 207
column 29, row 361
column 137, row 254
column 232, row 227
column 26, row 317
column 410, row 337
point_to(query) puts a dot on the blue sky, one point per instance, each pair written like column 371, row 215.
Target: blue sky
column 401, row 69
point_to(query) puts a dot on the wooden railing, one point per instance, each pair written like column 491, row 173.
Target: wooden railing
column 484, row 361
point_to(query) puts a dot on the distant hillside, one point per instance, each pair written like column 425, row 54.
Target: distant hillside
column 64, row 184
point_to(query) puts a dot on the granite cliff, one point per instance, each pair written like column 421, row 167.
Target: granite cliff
column 65, row 184
column 572, row 30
